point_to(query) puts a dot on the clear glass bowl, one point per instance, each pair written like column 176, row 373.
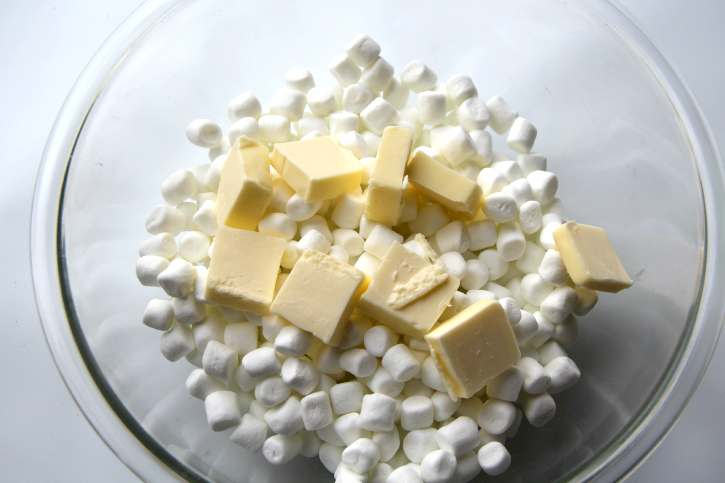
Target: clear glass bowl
column 620, row 128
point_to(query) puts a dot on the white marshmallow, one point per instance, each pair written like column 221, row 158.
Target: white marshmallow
column 217, row 151
column 348, row 210
column 326, row 359
column 500, row 208
column 271, row 391
column 415, row 387
column 241, row 336
column 443, row 408
column 511, row 242
column 531, row 162
column 472, row 114
column 329, row 436
column 349, row 430
column 552, row 269
column 293, row 342
column 450, row 105
column 477, row 274
column 567, row 332
column 205, row 219
column 358, row 362
column 539, row 408
column 536, row 379
column 177, row 278
column 545, row 330
column 300, row 375
column 587, row 300
column 355, row 143
column 298, row 210
column 350, row 240
column 314, row 240
column 367, row 226
column 344, row 69
column 213, row 174
column 431, row 218
column 502, row 114
column 530, row 217
column 388, row 443
column 178, row 187
column 330, row 456
column 194, row 246
column 222, row 410
column 460, row 87
column 510, row 169
column 415, row 247
column 189, row 209
column 378, row 74
column 559, row 304
column 546, row 237
column 430, row 375
column 543, row 185
column 261, row 362
column 247, row 126
column 244, row 380
column 467, row 468
column 354, row 332
column 161, row 245
column 356, row 98
column 380, row 240
column 377, row 412
column 527, row 351
column 520, row 191
column 158, row 315
column 321, row 101
column 246, row 105
column 187, row 310
column 379, row 339
column 316, row 411
column 250, row 434
column 368, row 167
column 373, row 142
column 417, row 413
column 286, row 418
column 564, row 374
column 522, row 136
column 418, row 77
column 459, row 437
column 325, row 384
column 200, row 385
column 410, row 115
column 310, row 443
column 530, row 261
column 219, row 361
column 507, row 385
column 383, row 383
column 337, row 91
column 274, row 129
column 280, row 449
column 526, row 328
column 511, row 308
column 496, row 416
column 534, row 289
column 419, row 443
column 363, row 50
column 396, row 93
column 404, row 474
column 361, row 456
column 455, row 263
column 299, row 79
column 272, row 325
column 483, row 143
column 514, row 285
column 204, row 133
column 498, row 290
column 494, row 458
column 149, row 268
column 315, row 223
column 431, row 108
column 491, row 181
column 438, row 467
column 455, row 145
column 378, row 115
column 483, row 234
column 165, row 219
column 453, row 237
column 346, row 397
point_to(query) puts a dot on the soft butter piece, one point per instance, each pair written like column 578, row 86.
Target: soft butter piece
column 438, row 183
column 398, row 268
column 317, row 169
column 473, row 347
column 590, row 258
column 245, row 186
column 319, row 295
column 243, row 269
column 385, row 187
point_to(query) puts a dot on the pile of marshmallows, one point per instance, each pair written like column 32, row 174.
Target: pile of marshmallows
column 374, row 408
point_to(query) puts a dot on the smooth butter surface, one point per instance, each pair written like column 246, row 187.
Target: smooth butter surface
column 590, row 258
column 473, row 347
column 243, row 269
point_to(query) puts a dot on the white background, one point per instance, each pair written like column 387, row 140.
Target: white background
column 44, row 46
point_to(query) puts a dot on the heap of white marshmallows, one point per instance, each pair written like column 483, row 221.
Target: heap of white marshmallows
column 292, row 394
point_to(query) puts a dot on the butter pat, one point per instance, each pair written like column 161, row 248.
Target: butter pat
column 245, row 186
column 438, row 183
column 317, row 169
column 398, row 273
column 473, row 347
column 590, row 258
column 385, row 188
column 319, row 295
column 243, row 269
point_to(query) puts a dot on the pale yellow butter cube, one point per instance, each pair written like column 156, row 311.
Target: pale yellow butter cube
column 399, row 267
column 243, row 269
column 473, row 347
column 590, row 258
column 245, row 186
column 317, row 169
column 319, row 295
column 460, row 195
column 385, row 188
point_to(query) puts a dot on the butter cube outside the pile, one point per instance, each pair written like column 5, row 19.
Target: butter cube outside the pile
column 473, row 347
column 590, row 258
column 317, row 169
column 398, row 268
column 319, row 295
column 385, row 188
column 243, row 269
column 245, row 186
column 438, row 183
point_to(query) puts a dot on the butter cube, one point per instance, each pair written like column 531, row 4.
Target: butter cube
column 460, row 195
column 393, row 282
column 245, row 186
column 319, row 295
column 473, row 347
column 385, row 188
column 590, row 258
column 243, row 269
column 317, row 169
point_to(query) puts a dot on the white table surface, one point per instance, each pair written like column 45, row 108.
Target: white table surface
column 44, row 46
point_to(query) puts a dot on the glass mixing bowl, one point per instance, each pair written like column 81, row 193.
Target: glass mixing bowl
column 621, row 130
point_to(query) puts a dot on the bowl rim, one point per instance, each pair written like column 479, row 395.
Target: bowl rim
column 150, row 462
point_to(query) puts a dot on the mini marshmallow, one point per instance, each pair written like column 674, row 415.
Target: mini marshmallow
column 482, row 233
column 244, row 380
column 149, row 268
column 363, row 50
column 354, row 332
column 419, row 443
column 467, row 468
column 499, row 290
column 346, row 397
column 344, row 69
column 530, row 261
column 241, row 336
column 477, row 274
column 500, row 208
column 177, row 278
column 348, row 210
column 217, row 151
column 378, row 74
column 300, row 375
column 587, row 300
column 222, row 410
column 522, row 136
column 286, row 418
column 502, row 114
column 355, row 143
column 220, row 361
column 326, row 359
column 507, row 385
column 404, row 474
column 205, row 219
column 377, row 412
column 539, row 408
column 396, row 93
column 356, row 98
column 189, row 209
column 278, row 225
column 158, row 315
column 293, row 342
column 280, row 449
column 367, row 226
column 496, row 416
column 526, row 328
column 483, row 143
column 247, row 126
column 315, row 223
column 536, row 379
column 543, row 185
column 531, row 162
column 455, row 144
column 378, row 115
column 349, row 430
column 388, row 443
column 298, row 210
column 559, row 304
column 316, row 411
column 415, row 387
column 165, row 219
column 494, row 458
column 567, row 332
column 459, row 437
column 491, row 181
column 330, row 456
column 321, row 101
column 350, row 240
column 204, row 133
column 246, row 105
column 444, row 407
column 545, row 330
column 379, row 339
column 520, row 190
column 511, row 242
column 250, row 434
column 510, row 169
column 511, row 308
column 417, row 413
column 460, row 87
column 552, row 269
column 200, row 385
column 411, row 115
column 329, row 436
column 530, row 217
column 271, row 391
column 380, row 240
column 314, row 240
column 373, row 142
column 546, row 237
column 453, row 237
column 299, row 79
column 431, row 218
column 362, row 455
column 358, row 362
column 455, row 263
column 418, row 77
column 161, row 245
column 473, row 114
column 261, row 362
column 211, row 328
column 272, row 325
column 564, row 374
column 194, row 246
column 514, row 285
column 527, row 351
column 178, row 187
column 274, row 129
column 470, row 408
column 213, row 174
column 382, row 382
column 438, row 467
column 431, row 108
column 430, row 375
column 534, row 289
column 310, row 443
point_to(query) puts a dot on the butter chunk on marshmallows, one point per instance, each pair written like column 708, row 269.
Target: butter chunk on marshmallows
column 243, row 270
column 319, row 295
column 473, row 347
column 317, row 169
